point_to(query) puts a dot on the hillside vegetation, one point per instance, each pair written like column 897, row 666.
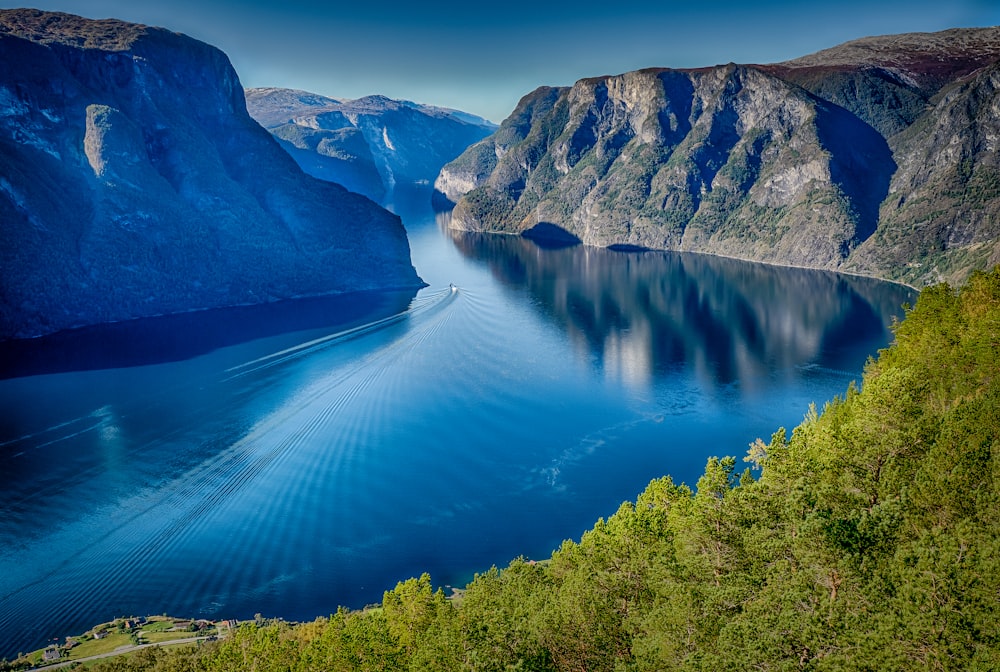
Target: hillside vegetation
column 865, row 539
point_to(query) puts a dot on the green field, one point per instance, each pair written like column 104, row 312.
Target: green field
column 156, row 630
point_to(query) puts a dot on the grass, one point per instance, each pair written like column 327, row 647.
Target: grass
column 158, row 625
column 90, row 663
column 160, row 637
column 95, row 647
column 156, row 631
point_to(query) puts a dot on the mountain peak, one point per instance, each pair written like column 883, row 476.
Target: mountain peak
column 370, row 144
column 923, row 60
column 274, row 106
column 58, row 28
column 876, row 156
column 952, row 44
column 134, row 183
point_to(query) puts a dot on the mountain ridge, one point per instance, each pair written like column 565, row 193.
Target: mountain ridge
column 370, row 144
column 135, row 184
column 795, row 163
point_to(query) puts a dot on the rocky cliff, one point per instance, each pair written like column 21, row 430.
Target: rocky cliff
column 877, row 157
column 369, row 145
column 133, row 183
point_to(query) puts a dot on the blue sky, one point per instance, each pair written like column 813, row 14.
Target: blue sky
column 483, row 57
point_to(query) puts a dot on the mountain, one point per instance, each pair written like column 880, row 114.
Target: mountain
column 876, row 157
column 134, row 183
column 369, row 145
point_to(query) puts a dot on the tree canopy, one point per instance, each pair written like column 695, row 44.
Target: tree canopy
column 866, row 540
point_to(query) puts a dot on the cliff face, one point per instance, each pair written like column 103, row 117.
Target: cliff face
column 134, row 183
column 876, row 156
column 369, row 145
column 942, row 214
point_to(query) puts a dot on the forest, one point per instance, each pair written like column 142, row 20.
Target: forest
column 867, row 538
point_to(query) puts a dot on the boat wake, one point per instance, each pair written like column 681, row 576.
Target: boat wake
column 421, row 305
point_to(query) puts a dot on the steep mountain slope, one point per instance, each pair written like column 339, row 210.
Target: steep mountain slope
column 369, row 145
column 134, row 183
column 942, row 214
column 830, row 161
column 889, row 80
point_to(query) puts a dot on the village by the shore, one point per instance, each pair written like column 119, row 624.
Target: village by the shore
column 121, row 636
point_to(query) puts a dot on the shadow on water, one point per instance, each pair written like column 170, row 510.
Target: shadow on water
column 174, row 338
column 551, row 236
column 646, row 314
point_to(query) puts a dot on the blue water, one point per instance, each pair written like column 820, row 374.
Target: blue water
column 288, row 459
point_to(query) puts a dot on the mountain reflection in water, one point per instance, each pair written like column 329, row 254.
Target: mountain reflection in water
column 642, row 315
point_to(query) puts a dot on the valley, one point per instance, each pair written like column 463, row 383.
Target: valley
column 266, row 353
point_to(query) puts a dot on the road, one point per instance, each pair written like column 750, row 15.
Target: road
column 119, row 651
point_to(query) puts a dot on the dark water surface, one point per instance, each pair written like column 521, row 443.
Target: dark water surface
column 292, row 458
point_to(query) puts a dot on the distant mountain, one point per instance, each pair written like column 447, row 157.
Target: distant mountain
column 877, row 156
column 134, row 183
column 369, row 145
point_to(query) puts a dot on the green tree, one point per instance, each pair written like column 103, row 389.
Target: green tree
column 410, row 608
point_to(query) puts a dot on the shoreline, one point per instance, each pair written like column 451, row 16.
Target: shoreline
column 122, row 636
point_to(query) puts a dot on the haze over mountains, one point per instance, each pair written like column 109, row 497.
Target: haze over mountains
column 877, row 156
column 135, row 183
column 370, row 145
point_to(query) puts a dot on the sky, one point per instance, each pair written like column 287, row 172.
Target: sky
column 481, row 57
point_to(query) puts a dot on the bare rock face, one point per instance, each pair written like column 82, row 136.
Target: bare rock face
column 477, row 164
column 729, row 160
column 134, row 183
column 805, row 163
column 370, row 145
